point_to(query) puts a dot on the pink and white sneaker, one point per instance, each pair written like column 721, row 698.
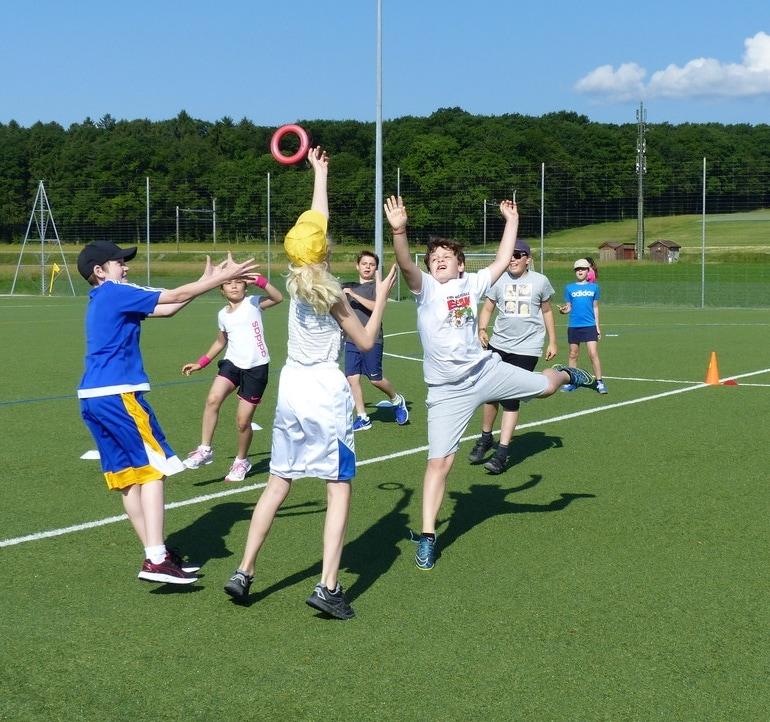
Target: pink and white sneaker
column 238, row 470
column 199, row 457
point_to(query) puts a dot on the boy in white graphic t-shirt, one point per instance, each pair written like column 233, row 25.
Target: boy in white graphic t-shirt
column 460, row 374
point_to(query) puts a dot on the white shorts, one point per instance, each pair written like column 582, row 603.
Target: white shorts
column 451, row 406
column 312, row 430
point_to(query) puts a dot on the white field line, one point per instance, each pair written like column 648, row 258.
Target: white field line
column 406, row 452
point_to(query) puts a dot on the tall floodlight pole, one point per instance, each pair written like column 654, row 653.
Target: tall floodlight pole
column 378, row 142
column 641, row 169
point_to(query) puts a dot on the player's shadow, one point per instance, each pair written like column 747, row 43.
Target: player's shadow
column 483, row 501
column 204, row 539
column 369, row 556
column 258, row 467
column 523, row 446
column 387, row 414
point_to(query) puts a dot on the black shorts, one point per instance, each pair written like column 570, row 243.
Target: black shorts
column 581, row 334
column 527, row 363
column 251, row 383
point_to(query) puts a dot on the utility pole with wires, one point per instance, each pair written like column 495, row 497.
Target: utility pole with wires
column 641, row 169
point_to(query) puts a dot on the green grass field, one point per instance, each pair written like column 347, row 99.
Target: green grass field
column 616, row 571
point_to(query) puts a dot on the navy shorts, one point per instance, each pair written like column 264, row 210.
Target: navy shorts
column 251, row 383
column 367, row 363
column 581, row 334
column 527, row 363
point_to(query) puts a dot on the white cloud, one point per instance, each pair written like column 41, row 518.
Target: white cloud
column 700, row 77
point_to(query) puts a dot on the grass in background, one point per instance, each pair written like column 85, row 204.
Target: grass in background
column 616, row 571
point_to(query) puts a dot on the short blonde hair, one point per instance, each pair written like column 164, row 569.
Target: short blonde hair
column 313, row 284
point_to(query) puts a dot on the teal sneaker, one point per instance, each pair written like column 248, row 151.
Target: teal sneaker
column 578, row 377
column 425, row 557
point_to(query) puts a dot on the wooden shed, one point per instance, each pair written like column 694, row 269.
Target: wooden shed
column 614, row 251
column 664, row 251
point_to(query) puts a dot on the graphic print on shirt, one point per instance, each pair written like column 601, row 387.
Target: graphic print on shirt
column 518, row 299
column 460, row 310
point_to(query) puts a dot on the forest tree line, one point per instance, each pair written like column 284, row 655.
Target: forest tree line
column 446, row 165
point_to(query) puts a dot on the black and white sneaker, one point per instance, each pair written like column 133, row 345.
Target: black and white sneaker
column 175, row 557
column 479, row 450
column 238, row 585
column 496, row 465
column 333, row 603
column 578, row 377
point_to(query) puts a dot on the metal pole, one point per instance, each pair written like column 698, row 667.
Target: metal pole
column 214, row 218
column 542, row 214
column 484, row 233
column 42, row 241
column 147, row 195
column 398, row 181
column 268, row 226
column 177, row 229
column 378, row 142
column 641, row 169
column 703, row 243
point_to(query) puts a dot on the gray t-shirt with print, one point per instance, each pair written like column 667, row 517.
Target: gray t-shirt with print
column 519, row 326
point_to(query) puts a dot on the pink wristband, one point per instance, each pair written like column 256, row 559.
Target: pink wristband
column 204, row 361
column 260, row 281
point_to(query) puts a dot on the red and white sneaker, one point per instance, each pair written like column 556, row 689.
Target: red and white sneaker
column 166, row 572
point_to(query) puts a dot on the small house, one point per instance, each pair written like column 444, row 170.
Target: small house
column 614, row 251
column 664, row 251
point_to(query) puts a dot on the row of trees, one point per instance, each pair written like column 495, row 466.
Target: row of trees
column 448, row 164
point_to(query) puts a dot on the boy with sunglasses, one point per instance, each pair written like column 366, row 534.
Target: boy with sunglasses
column 524, row 316
column 581, row 302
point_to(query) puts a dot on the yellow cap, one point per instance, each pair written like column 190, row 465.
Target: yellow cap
column 305, row 243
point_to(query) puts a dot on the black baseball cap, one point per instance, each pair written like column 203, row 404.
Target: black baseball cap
column 97, row 253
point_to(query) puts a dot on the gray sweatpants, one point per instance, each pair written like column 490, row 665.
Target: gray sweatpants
column 451, row 405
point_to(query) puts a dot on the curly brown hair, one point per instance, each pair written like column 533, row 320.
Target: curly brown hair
column 435, row 242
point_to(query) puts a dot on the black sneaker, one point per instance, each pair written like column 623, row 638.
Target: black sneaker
column 332, row 603
column 238, row 585
column 176, row 558
column 578, row 377
column 479, row 450
column 496, row 465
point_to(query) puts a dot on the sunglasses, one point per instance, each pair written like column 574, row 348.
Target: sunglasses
column 518, row 254
column 581, row 269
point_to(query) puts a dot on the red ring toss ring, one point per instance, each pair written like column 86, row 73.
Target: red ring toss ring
column 304, row 144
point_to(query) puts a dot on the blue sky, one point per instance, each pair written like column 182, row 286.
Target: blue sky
column 279, row 62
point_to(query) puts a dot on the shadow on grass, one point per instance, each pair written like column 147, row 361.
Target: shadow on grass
column 483, row 501
column 204, row 539
column 387, row 414
column 526, row 445
column 368, row 556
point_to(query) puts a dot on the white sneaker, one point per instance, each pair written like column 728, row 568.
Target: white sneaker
column 238, row 470
column 199, row 457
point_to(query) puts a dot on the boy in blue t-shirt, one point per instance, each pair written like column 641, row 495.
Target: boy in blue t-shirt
column 581, row 302
column 135, row 456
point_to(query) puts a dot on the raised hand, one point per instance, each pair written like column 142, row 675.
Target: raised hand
column 395, row 212
column 318, row 158
column 509, row 210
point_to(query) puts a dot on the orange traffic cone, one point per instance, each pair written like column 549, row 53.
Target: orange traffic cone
column 712, row 373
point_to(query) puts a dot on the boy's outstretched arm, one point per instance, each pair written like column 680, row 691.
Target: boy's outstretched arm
column 320, row 162
column 395, row 211
column 510, row 212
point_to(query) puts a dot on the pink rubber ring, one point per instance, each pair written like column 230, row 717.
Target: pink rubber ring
column 304, row 144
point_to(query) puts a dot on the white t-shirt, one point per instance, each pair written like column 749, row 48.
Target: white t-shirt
column 246, row 347
column 447, row 321
column 313, row 338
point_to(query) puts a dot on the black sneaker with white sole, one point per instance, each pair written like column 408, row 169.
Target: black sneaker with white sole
column 331, row 602
column 578, row 377
column 176, row 558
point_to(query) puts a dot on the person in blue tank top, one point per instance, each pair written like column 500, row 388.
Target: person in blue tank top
column 581, row 302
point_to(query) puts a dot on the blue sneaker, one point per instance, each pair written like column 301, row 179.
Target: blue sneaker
column 362, row 423
column 425, row 557
column 577, row 377
column 568, row 387
column 402, row 413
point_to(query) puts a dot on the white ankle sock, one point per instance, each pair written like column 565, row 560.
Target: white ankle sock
column 155, row 554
